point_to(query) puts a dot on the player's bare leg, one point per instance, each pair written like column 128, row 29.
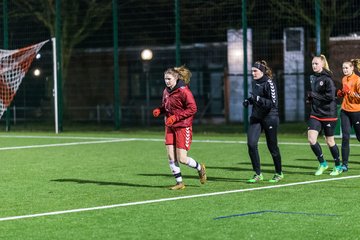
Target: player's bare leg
column 184, row 159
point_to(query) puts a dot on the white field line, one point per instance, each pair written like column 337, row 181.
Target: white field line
column 150, row 139
column 109, row 140
column 63, row 144
column 55, row 137
column 173, row 199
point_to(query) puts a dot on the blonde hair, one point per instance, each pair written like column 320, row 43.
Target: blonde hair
column 181, row 73
column 355, row 63
column 325, row 62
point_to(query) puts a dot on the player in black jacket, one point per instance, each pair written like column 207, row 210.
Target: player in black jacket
column 264, row 117
column 323, row 114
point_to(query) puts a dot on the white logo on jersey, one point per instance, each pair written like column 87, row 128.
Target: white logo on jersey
column 272, row 89
column 187, row 137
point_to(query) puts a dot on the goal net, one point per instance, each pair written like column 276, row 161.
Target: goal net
column 13, row 66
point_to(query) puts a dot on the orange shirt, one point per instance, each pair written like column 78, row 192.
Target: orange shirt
column 351, row 101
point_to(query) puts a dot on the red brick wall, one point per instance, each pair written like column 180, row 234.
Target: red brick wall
column 342, row 49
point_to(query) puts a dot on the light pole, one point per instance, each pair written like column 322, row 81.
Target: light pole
column 146, row 56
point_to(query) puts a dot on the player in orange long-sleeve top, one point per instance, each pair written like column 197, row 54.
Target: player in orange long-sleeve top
column 350, row 107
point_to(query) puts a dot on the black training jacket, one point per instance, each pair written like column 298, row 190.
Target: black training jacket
column 323, row 103
column 267, row 102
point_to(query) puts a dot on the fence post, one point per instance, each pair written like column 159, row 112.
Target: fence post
column 245, row 74
column 318, row 27
column 177, row 33
column 6, row 46
column 116, row 67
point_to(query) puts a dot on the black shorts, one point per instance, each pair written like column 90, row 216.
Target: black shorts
column 327, row 126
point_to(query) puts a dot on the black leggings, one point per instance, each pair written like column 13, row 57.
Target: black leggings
column 269, row 125
column 348, row 120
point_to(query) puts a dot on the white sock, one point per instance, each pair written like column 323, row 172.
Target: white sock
column 194, row 164
column 175, row 169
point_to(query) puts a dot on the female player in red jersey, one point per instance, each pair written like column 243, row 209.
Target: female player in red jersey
column 179, row 107
column 350, row 107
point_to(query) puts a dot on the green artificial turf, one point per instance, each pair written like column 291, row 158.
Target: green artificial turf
column 45, row 173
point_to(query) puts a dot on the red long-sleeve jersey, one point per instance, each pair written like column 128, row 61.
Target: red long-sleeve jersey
column 181, row 103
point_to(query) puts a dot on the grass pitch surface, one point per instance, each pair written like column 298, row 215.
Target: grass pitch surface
column 115, row 186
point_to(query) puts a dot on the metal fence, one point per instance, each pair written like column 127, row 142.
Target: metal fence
column 196, row 33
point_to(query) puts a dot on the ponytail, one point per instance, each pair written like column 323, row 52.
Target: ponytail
column 263, row 66
column 356, row 63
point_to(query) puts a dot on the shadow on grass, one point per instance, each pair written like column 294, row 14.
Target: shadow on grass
column 287, row 166
column 306, row 159
column 209, row 178
column 268, row 165
column 353, row 162
column 104, row 183
column 234, row 169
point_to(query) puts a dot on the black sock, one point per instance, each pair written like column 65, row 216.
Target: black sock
column 316, row 148
column 335, row 153
column 345, row 151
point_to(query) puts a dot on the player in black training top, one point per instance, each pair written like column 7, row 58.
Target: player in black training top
column 264, row 117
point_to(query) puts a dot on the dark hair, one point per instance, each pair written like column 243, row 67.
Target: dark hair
column 263, row 66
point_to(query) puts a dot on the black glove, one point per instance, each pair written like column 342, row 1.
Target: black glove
column 246, row 103
column 309, row 97
column 253, row 98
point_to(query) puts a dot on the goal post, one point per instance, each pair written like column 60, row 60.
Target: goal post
column 55, row 90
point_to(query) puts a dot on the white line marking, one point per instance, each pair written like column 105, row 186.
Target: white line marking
column 108, row 140
column 64, row 144
column 172, row 199
column 54, row 137
column 153, row 140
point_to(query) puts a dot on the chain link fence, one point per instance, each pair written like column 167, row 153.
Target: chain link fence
column 284, row 33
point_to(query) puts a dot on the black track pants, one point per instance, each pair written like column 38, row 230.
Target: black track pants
column 270, row 126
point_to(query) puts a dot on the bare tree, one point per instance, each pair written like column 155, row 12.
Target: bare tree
column 332, row 11
column 79, row 19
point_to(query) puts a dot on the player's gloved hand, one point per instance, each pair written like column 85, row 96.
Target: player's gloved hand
column 156, row 112
column 346, row 89
column 253, row 98
column 246, row 103
column 309, row 97
column 340, row 93
column 170, row 120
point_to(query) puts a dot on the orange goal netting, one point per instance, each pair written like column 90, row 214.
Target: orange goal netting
column 13, row 66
